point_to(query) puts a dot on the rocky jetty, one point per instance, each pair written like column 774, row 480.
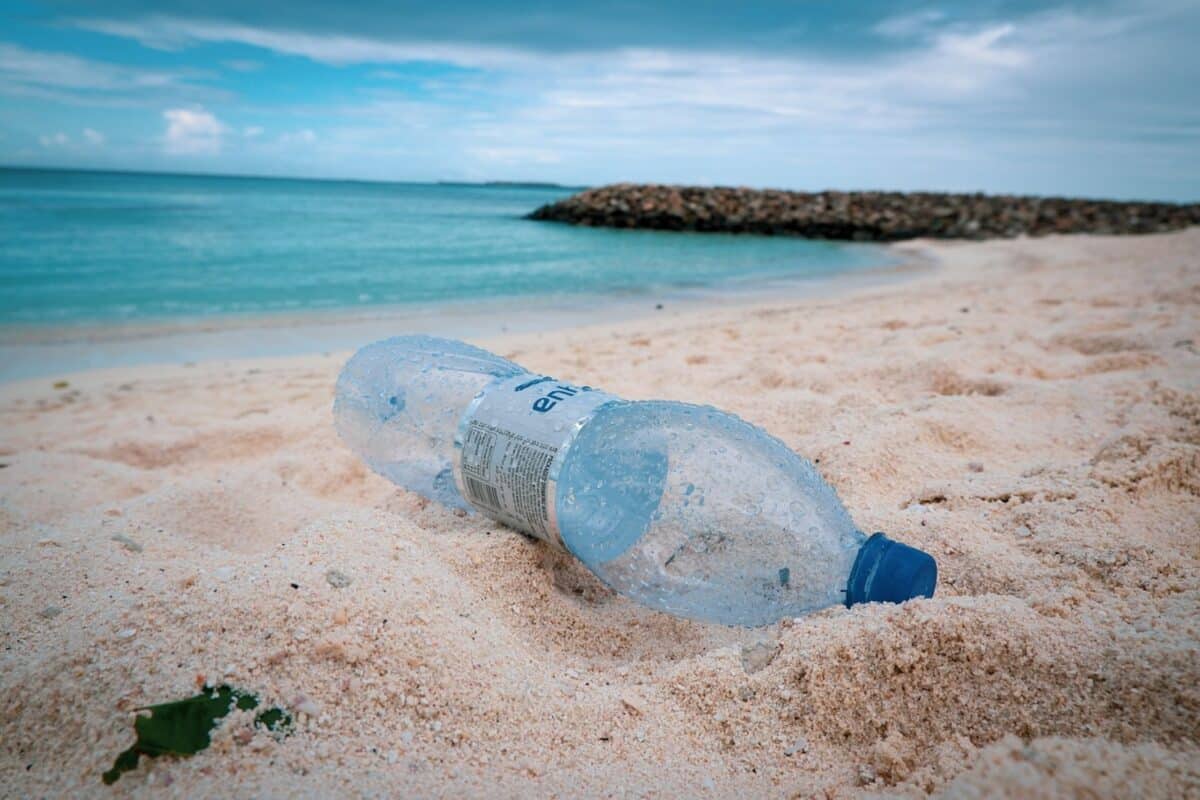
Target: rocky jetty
column 859, row 216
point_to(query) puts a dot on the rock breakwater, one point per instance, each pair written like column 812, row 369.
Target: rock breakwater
column 859, row 216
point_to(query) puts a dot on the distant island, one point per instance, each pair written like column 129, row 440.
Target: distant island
column 510, row 184
column 859, row 216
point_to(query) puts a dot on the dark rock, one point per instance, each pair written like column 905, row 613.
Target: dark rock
column 859, row 216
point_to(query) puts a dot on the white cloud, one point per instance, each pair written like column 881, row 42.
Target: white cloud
column 170, row 33
column 985, row 48
column 252, row 132
column 192, row 132
column 59, row 139
column 65, row 77
column 514, row 156
column 952, row 61
column 92, row 136
column 305, row 136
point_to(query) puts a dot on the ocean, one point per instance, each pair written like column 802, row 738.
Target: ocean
column 95, row 248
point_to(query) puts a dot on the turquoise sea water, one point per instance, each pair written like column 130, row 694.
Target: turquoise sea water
column 95, row 247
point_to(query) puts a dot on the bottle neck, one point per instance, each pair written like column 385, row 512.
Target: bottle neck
column 887, row 571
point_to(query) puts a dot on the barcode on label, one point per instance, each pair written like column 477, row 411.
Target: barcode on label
column 482, row 492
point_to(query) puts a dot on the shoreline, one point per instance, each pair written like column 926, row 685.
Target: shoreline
column 29, row 351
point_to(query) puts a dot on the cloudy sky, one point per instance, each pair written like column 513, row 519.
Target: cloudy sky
column 1090, row 98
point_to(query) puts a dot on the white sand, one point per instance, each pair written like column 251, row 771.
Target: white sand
column 1029, row 413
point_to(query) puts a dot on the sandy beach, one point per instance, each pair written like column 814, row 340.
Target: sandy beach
column 1027, row 411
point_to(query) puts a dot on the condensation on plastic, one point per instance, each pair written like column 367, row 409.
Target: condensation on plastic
column 690, row 510
column 686, row 509
column 398, row 404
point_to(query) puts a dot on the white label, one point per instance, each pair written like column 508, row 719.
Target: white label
column 510, row 445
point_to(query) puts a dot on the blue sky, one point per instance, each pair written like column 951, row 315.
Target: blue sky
column 1097, row 98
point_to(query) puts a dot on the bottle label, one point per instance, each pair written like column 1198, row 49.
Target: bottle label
column 510, row 445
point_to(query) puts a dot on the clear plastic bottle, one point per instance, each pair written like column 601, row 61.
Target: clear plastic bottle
column 684, row 508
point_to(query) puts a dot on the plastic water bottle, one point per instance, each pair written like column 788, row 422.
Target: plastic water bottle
column 684, row 508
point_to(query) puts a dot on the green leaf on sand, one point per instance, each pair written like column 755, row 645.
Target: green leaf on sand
column 182, row 727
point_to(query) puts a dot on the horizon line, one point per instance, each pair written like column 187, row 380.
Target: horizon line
column 262, row 177
column 569, row 186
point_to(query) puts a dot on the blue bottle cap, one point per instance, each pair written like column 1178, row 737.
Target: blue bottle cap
column 890, row 572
